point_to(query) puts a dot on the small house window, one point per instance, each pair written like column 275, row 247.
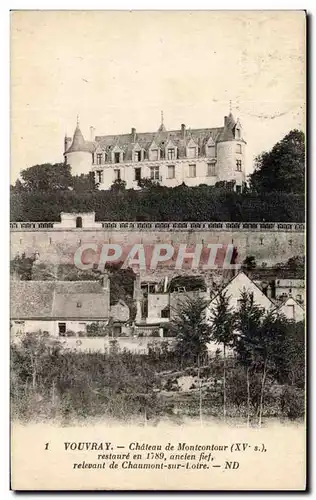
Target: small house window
column 238, row 165
column 138, row 174
column 171, row 171
column 290, row 311
column 211, row 169
column 62, row 329
column 192, row 170
column 165, row 313
column 117, row 330
column 79, row 222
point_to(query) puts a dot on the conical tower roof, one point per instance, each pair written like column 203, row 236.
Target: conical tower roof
column 78, row 142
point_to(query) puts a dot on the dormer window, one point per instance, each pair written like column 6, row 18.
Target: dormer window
column 99, row 158
column 117, row 157
column 171, row 154
column 192, row 152
column 210, row 151
column 137, row 156
column 154, row 154
column 238, row 165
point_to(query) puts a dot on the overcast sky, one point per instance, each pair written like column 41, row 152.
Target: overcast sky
column 118, row 70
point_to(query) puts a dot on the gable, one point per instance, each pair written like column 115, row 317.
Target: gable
column 239, row 284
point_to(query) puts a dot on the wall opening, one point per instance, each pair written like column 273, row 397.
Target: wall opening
column 79, row 222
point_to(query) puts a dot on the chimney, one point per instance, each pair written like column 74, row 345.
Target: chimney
column 92, row 134
column 106, row 282
column 67, row 143
column 183, row 130
column 133, row 132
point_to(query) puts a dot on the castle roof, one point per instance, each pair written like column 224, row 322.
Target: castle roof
column 179, row 137
column 79, row 143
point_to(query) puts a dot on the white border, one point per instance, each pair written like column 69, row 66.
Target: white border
column 5, row 6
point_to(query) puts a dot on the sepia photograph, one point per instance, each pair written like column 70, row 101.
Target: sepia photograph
column 157, row 250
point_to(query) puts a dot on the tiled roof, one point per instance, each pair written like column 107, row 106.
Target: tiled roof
column 161, row 137
column 54, row 300
column 79, row 143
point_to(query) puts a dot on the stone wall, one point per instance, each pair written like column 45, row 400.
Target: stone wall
column 59, row 246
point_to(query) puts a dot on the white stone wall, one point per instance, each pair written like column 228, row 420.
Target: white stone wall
column 226, row 162
column 182, row 172
column 80, row 162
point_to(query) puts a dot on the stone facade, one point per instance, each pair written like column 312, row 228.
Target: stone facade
column 193, row 157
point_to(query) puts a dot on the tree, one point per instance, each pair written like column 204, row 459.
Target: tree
column 148, row 184
column 268, row 351
column 84, row 182
column 248, row 321
column 223, row 325
column 47, row 177
column 192, row 332
column 249, row 263
column 118, row 186
column 282, row 168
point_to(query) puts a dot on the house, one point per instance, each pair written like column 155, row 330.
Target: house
column 171, row 157
column 292, row 310
column 235, row 287
column 290, row 288
column 61, row 308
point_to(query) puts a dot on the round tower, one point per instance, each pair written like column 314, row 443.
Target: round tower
column 231, row 153
column 79, row 154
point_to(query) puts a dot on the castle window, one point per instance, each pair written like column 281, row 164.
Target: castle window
column 154, row 173
column 138, row 156
column 171, row 154
column 99, row 158
column 138, row 174
column 171, row 171
column 154, row 154
column 192, row 170
column 99, row 176
column 117, row 174
column 238, row 165
column 79, row 222
column 211, row 151
column 192, row 152
column 238, row 148
column 117, row 157
column 211, row 169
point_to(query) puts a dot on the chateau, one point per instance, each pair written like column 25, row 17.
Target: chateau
column 171, row 157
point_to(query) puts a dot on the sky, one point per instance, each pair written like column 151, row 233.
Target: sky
column 118, row 70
